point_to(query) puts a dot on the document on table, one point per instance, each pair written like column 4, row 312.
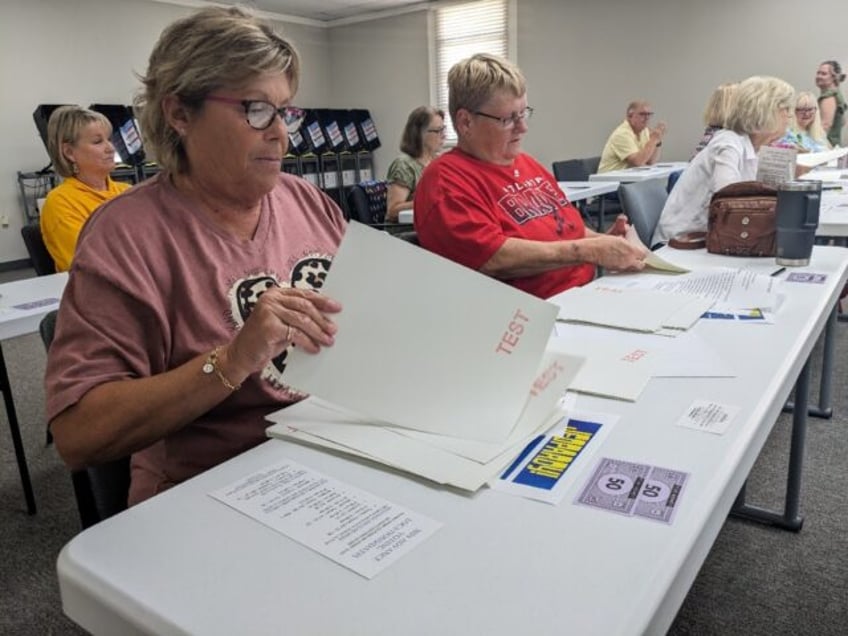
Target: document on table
column 538, row 472
column 686, row 356
column 424, row 343
column 776, row 165
column 29, row 308
column 708, row 416
column 632, row 309
column 733, row 288
column 354, row 528
column 812, row 159
column 466, row 464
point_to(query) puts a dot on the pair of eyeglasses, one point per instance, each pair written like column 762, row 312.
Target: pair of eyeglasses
column 646, row 113
column 512, row 120
column 260, row 114
column 438, row 131
column 811, row 109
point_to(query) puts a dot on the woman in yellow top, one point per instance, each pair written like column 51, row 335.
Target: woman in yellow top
column 78, row 141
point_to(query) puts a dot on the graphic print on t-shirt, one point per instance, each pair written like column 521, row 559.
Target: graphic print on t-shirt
column 531, row 199
column 308, row 272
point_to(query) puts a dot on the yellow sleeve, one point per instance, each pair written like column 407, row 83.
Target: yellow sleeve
column 62, row 219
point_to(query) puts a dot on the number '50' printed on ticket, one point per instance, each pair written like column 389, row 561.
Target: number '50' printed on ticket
column 631, row 488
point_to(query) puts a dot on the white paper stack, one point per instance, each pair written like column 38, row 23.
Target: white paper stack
column 436, row 369
column 634, row 310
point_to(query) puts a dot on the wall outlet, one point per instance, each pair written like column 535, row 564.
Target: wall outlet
column 4, row 220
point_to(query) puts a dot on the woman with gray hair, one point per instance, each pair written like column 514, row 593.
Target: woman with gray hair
column 421, row 142
column 80, row 148
column 758, row 115
column 491, row 207
column 187, row 293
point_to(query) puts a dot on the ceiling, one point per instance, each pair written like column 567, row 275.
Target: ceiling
column 326, row 10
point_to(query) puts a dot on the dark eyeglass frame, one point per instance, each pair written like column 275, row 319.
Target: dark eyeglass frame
column 806, row 109
column 512, row 120
column 438, row 131
column 292, row 116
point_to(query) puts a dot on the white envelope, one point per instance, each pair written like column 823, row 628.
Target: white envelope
column 424, row 343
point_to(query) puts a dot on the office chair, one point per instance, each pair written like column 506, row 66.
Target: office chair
column 643, row 202
column 42, row 262
column 102, row 490
column 410, row 236
column 579, row 170
column 367, row 202
column 570, row 170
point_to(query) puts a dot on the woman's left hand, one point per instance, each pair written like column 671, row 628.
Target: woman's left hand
column 619, row 226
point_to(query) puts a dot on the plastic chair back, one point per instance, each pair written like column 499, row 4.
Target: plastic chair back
column 643, row 202
column 42, row 262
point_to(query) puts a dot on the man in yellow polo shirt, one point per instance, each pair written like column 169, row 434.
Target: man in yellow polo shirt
column 633, row 144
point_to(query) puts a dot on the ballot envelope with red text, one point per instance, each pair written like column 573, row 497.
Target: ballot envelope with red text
column 436, row 369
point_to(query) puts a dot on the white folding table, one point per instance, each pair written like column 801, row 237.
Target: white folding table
column 183, row 563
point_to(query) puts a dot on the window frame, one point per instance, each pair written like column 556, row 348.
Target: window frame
column 509, row 41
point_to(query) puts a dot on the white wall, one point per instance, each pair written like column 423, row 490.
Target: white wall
column 84, row 52
column 583, row 61
column 382, row 65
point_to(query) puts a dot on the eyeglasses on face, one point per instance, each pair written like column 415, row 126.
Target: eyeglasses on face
column 439, row 131
column 260, row 114
column 806, row 109
column 512, row 120
column 645, row 113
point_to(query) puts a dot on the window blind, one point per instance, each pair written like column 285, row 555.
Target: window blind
column 460, row 32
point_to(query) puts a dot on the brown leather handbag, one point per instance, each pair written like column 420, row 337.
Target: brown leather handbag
column 742, row 220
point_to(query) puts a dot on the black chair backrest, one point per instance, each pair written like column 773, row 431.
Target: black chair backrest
column 410, row 236
column 643, row 202
column 590, row 164
column 570, row 170
column 42, row 262
column 367, row 202
column 102, row 490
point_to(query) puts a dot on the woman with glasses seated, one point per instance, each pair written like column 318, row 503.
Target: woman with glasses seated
column 81, row 150
column 187, row 293
column 805, row 131
column 423, row 137
column 489, row 206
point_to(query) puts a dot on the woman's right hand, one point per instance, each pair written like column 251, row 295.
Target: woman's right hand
column 281, row 317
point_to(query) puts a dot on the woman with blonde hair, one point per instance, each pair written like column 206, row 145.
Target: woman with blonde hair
column 488, row 205
column 805, row 131
column 80, row 147
column 188, row 292
column 715, row 114
column 759, row 114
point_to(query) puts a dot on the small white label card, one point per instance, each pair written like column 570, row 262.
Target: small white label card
column 707, row 416
column 345, row 524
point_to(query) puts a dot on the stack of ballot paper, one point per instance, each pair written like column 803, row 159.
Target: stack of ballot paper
column 632, row 309
column 812, row 159
column 436, row 369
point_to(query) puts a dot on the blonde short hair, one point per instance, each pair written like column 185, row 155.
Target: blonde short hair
column 64, row 127
column 756, row 103
column 212, row 48
column 718, row 105
column 474, row 81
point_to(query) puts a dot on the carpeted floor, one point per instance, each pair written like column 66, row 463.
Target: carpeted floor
column 755, row 581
